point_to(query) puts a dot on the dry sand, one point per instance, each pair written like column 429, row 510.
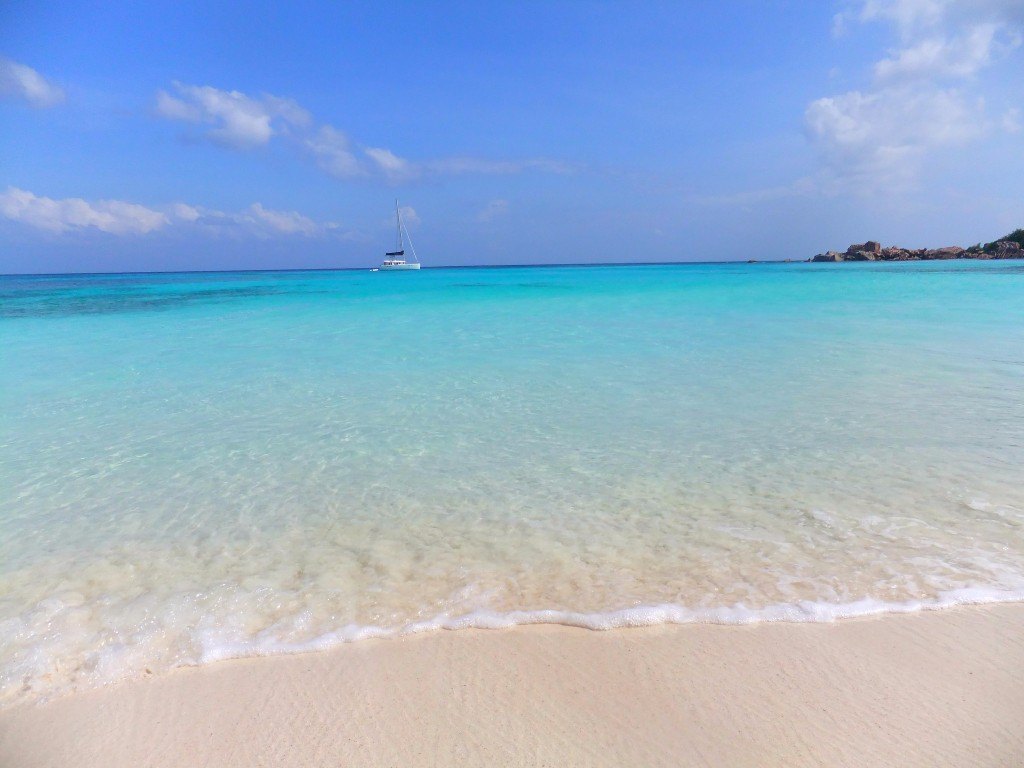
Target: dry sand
column 943, row 688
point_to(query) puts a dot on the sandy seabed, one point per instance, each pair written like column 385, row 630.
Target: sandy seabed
column 938, row 688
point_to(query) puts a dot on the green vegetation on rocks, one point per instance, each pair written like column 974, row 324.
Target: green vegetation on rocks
column 1017, row 236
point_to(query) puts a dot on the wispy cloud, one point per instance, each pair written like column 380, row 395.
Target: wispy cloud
column 459, row 165
column 409, row 216
column 905, row 14
column 238, row 121
column 391, row 165
column 119, row 217
column 18, row 81
column 230, row 117
column 287, row 222
column 942, row 57
column 799, row 188
column 254, row 221
column 333, row 153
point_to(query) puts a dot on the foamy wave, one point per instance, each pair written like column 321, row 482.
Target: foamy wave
column 36, row 678
column 639, row 616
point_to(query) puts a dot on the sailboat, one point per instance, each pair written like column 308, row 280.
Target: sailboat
column 394, row 260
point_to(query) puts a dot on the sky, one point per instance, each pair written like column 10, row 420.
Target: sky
column 183, row 136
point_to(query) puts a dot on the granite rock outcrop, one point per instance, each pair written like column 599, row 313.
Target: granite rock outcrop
column 1009, row 247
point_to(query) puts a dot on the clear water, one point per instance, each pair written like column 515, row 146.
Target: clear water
column 208, row 465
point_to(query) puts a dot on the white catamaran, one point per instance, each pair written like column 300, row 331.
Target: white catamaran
column 396, row 259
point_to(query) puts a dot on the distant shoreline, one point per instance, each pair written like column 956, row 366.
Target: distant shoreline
column 1009, row 247
column 921, row 254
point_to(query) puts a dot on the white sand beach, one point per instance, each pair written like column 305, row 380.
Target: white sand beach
column 937, row 688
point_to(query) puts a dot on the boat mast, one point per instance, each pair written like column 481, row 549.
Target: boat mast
column 398, row 228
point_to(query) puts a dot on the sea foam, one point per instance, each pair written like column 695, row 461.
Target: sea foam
column 37, row 677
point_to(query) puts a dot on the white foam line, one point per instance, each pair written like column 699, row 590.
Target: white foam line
column 640, row 616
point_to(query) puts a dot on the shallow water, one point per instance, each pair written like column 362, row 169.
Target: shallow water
column 206, row 465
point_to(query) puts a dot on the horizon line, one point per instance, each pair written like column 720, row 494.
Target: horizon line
column 440, row 266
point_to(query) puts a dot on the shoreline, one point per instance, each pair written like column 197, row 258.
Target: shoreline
column 214, row 651
column 936, row 687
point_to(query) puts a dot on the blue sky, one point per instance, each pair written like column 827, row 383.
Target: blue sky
column 178, row 136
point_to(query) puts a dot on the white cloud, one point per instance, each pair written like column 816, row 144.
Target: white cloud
column 333, row 153
column 239, row 121
column 118, row 217
column 906, row 14
column 880, row 137
column 288, row 110
column 940, row 57
column 286, row 222
column 409, row 215
column 917, row 104
column 254, row 221
column 392, row 166
column 185, row 212
column 176, row 109
column 236, row 120
column 493, row 210
column 912, row 18
column 114, row 216
column 400, row 169
column 22, row 82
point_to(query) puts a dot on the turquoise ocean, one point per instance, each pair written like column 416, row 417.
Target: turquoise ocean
column 202, row 466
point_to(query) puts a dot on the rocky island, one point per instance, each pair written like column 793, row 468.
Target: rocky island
column 1009, row 247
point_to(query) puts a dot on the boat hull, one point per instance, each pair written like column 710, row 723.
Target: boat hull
column 397, row 267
